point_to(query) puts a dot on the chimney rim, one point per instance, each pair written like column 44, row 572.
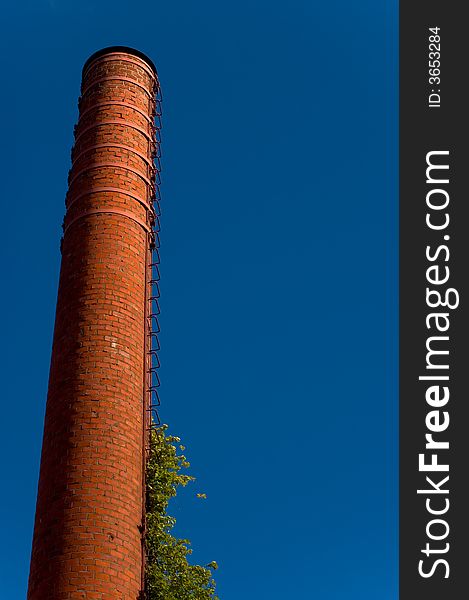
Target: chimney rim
column 124, row 49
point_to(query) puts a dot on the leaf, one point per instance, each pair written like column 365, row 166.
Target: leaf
column 169, row 576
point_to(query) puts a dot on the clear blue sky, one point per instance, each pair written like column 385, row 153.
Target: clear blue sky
column 279, row 276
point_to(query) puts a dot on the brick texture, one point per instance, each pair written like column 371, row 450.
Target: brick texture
column 87, row 535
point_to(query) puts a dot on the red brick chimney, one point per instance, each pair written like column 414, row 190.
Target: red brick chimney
column 88, row 529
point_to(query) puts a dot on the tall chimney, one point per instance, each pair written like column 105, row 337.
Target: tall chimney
column 90, row 507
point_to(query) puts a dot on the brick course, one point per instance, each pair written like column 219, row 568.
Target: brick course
column 87, row 534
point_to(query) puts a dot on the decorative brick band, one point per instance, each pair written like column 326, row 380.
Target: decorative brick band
column 110, row 145
column 114, row 103
column 115, row 165
column 121, row 57
column 95, row 190
column 115, row 211
column 114, row 122
column 107, row 79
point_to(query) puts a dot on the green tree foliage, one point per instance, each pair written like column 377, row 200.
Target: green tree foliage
column 169, row 576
